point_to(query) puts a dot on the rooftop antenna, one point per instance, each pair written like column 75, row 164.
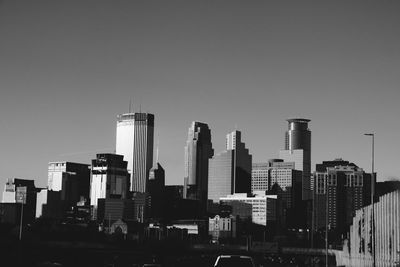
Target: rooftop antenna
column 130, row 104
column 140, row 108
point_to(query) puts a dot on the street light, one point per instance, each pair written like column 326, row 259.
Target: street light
column 326, row 217
column 372, row 197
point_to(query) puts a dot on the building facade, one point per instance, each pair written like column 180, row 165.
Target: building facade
column 135, row 141
column 71, row 179
column 280, row 178
column 260, row 176
column 343, row 188
column 222, row 227
column 263, row 206
column 230, row 170
column 156, row 188
column 198, row 151
column 109, row 179
column 298, row 150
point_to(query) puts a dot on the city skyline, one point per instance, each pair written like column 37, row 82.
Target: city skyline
column 68, row 73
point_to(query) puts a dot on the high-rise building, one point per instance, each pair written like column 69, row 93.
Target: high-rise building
column 280, row 178
column 110, row 178
column 135, row 138
column 156, row 186
column 260, row 176
column 230, row 170
column 198, row 151
column 343, row 187
column 298, row 150
column 72, row 179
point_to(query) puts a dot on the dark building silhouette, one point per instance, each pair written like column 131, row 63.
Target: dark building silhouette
column 346, row 187
column 71, row 179
column 175, row 207
column 110, row 210
column 141, row 206
column 198, row 151
column 155, row 188
column 230, row 170
column 15, row 192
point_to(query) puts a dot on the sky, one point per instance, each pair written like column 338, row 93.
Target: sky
column 68, row 68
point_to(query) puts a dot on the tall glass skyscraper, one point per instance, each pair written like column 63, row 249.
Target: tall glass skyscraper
column 298, row 150
column 135, row 140
column 198, row 151
column 230, row 170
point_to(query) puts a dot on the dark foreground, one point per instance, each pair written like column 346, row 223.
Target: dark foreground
column 75, row 254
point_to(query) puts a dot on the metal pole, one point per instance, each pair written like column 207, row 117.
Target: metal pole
column 326, row 219
column 372, row 197
column 372, row 200
column 20, row 225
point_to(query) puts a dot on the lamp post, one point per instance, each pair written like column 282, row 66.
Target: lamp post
column 326, row 217
column 372, row 197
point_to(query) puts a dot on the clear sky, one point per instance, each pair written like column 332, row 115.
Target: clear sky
column 67, row 68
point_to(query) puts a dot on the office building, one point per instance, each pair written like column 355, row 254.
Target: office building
column 263, row 206
column 341, row 188
column 260, row 176
column 135, row 138
column 110, row 210
column 71, row 179
column 198, row 151
column 156, row 186
column 230, row 170
column 109, row 179
column 280, row 178
column 298, row 150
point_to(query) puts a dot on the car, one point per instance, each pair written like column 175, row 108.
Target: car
column 233, row 261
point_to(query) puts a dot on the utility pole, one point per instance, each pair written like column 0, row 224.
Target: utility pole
column 372, row 197
column 326, row 218
column 20, row 197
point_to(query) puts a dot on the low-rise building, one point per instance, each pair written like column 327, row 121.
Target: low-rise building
column 222, row 227
column 263, row 206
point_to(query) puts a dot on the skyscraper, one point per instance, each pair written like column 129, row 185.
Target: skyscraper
column 135, row 138
column 109, row 178
column 230, row 170
column 298, row 150
column 155, row 187
column 198, row 151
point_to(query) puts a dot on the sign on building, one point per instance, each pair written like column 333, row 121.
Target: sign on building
column 20, row 195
